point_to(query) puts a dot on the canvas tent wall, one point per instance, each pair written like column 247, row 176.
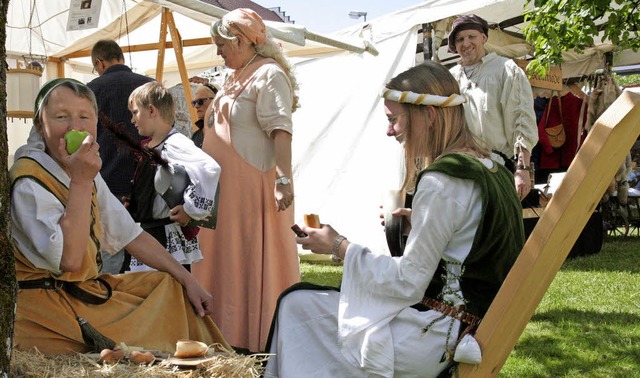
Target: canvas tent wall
column 343, row 161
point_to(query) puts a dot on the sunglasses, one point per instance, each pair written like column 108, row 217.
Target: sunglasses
column 200, row 101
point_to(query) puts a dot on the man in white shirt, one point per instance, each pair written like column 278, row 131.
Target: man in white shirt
column 499, row 108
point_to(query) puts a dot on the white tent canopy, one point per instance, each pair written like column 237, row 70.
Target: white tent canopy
column 343, row 161
column 40, row 28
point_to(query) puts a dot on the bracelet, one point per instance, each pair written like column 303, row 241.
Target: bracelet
column 522, row 167
column 530, row 168
column 335, row 249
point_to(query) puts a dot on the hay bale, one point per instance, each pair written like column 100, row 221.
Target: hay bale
column 34, row 364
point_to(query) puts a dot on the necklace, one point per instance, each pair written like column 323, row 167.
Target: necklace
column 246, row 64
column 231, row 80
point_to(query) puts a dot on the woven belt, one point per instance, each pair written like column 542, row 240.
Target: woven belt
column 454, row 312
column 69, row 287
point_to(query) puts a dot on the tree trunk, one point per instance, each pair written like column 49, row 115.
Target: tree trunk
column 7, row 266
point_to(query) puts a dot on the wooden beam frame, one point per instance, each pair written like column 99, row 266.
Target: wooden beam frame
column 182, row 68
column 167, row 21
column 593, row 168
column 162, row 44
column 140, row 47
column 176, row 43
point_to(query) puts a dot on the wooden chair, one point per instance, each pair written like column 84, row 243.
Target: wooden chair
column 578, row 196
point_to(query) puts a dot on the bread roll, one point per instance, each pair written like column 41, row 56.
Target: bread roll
column 141, row 357
column 111, row 356
column 312, row 220
column 190, row 349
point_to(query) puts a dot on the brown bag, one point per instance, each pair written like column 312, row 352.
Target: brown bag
column 555, row 133
column 556, row 136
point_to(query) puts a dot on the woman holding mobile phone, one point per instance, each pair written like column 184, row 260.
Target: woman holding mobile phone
column 407, row 316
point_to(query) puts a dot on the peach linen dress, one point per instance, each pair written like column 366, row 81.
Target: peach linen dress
column 251, row 257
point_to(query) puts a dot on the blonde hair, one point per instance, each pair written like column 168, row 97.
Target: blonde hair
column 429, row 137
column 208, row 89
column 156, row 94
column 268, row 49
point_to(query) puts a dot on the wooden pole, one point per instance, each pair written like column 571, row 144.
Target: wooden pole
column 184, row 77
column 161, row 44
column 427, row 41
column 593, row 168
column 60, row 69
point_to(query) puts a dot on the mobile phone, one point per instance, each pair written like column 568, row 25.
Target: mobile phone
column 298, row 231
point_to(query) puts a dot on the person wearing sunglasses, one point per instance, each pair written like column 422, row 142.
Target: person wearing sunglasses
column 204, row 94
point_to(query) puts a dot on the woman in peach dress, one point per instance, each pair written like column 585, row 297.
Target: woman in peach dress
column 252, row 256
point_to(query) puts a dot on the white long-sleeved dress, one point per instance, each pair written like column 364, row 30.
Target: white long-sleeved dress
column 323, row 333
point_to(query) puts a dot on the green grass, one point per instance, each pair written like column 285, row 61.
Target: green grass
column 326, row 274
column 587, row 324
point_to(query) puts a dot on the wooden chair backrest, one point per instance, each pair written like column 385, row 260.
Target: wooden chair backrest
column 604, row 149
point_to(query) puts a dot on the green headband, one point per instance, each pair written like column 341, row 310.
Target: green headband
column 47, row 88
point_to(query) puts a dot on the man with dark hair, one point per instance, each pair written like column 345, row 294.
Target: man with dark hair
column 112, row 88
column 499, row 107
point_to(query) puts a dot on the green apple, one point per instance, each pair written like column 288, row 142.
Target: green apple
column 74, row 139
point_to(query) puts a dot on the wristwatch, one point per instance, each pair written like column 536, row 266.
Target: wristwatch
column 284, row 180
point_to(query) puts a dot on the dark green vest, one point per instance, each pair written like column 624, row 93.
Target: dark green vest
column 500, row 235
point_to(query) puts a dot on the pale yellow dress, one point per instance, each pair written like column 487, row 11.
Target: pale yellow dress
column 150, row 310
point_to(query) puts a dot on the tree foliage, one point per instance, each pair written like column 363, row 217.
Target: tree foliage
column 625, row 80
column 554, row 26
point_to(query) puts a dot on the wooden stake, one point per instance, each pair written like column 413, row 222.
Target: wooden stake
column 593, row 168
column 161, row 44
column 184, row 77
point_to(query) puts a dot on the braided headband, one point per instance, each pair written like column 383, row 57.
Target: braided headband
column 408, row 97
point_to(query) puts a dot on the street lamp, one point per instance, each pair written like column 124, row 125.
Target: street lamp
column 357, row 15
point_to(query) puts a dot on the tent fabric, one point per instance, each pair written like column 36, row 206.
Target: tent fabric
column 48, row 35
column 343, row 160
